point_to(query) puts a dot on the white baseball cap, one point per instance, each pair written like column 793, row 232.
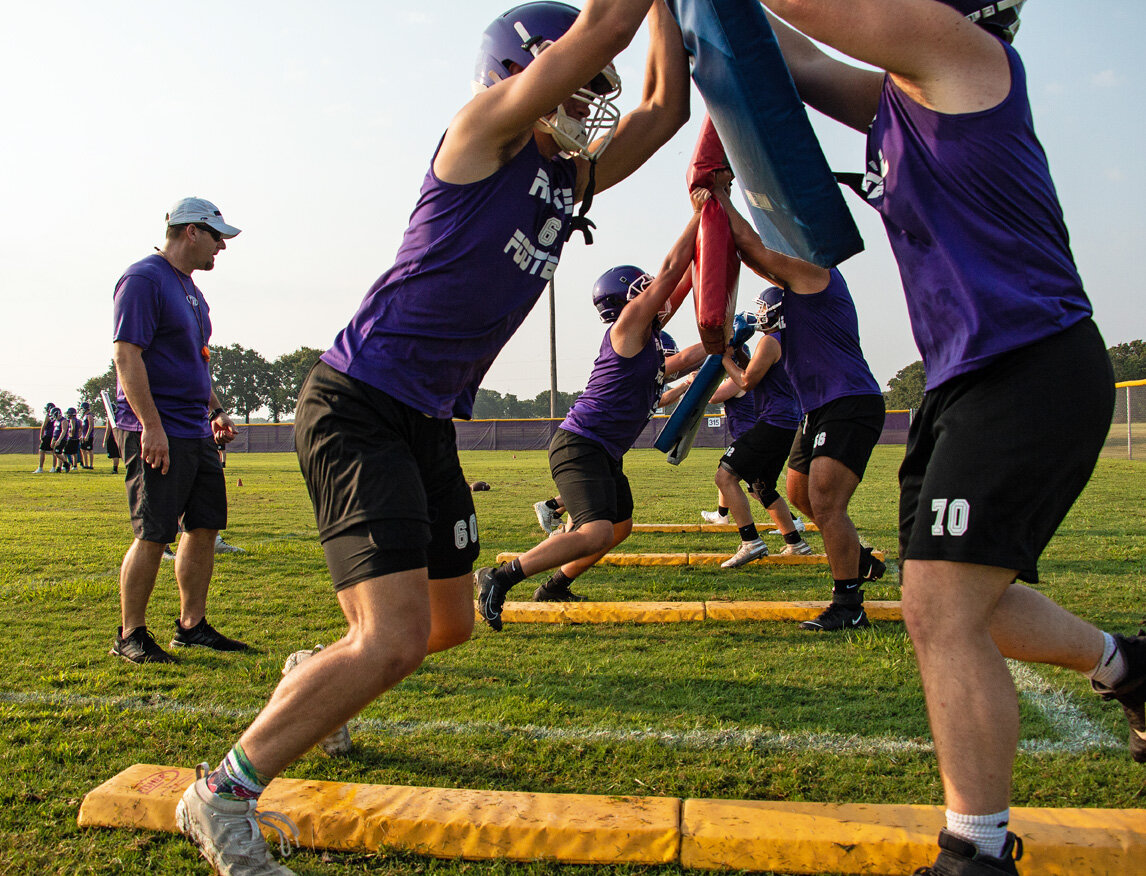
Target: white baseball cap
column 199, row 210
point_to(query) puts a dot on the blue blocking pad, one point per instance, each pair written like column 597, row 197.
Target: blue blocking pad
column 680, row 431
column 794, row 201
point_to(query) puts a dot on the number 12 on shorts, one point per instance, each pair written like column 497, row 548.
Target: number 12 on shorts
column 951, row 516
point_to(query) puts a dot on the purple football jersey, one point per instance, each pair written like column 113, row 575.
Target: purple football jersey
column 975, row 225
column 620, row 396
column 820, row 339
column 473, row 262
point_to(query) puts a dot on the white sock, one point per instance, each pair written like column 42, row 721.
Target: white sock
column 987, row 832
column 1111, row 667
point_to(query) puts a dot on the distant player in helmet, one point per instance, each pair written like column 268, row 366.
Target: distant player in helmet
column 87, row 436
column 585, row 455
column 841, row 404
column 45, row 436
column 763, row 413
column 373, row 424
column 1004, row 327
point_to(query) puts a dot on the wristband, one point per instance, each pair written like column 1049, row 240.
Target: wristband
column 211, row 416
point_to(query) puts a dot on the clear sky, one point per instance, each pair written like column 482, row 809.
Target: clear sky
column 311, row 126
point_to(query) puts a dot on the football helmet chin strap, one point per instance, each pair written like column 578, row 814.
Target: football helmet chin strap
column 991, row 9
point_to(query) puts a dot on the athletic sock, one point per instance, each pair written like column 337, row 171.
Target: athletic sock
column 846, row 590
column 236, row 778
column 987, row 832
column 552, row 504
column 508, row 574
column 1111, row 666
column 792, row 537
column 558, row 581
column 749, row 533
column 722, row 510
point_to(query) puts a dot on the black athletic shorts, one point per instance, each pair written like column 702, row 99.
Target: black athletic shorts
column 46, row 444
column 845, row 430
column 388, row 490
column 87, row 443
column 591, row 483
column 758, row 456
column 73, row 446
column 192, row 493
column 995, row 458
column 112, row 447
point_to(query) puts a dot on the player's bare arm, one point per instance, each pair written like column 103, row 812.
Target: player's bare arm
column 489, row 130
column 663, row 110
column 767, row 354
column 630, row 332
column 794, row 274
column 933, row 53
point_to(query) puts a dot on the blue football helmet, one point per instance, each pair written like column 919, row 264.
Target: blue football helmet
column 520, row 35
column 1000, row 18
column 617, row 287
column 770, row 310
column 668, row 344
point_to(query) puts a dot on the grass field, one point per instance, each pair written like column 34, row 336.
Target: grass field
column 728, row 710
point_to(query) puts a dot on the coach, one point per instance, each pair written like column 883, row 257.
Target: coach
column 168, row 419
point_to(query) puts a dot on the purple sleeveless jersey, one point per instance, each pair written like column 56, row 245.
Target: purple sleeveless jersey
column 820, row 339
column 474, row 260
column 976, row 227
column 619, row 399
column 778, row 403
column 743, row 411
column 159, row 309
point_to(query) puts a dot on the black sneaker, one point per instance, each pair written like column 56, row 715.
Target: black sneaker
column 550, row 592
column 139, row 647
column 1131, row 691
column 838, row 617
column 958, row 857
column 168, row 554
column 203, row 635
column 491, row 597
column 871, row 567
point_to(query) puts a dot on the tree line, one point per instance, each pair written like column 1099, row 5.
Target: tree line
column 246, row 382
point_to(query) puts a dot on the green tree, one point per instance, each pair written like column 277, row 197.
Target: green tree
column 488, row 405
column 286, row 375
column 905, row 390
column 91, row 389
column 15, row 410
column 241, row 378
column 1129, row 360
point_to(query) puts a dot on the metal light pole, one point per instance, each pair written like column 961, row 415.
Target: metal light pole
column 552, row 352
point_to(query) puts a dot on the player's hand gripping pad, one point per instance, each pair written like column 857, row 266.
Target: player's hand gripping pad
column 794, row 201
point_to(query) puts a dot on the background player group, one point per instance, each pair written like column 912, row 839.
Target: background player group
column 376, row 443
column 69, row 437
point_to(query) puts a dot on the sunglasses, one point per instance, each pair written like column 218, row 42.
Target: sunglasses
column 215, row 235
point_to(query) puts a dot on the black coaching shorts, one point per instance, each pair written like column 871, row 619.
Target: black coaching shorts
column 845, row 430
column 46, row 443
column 995, row 458
column 385, row 480
column 591, row 483
column 192, row 492
column 758, row 456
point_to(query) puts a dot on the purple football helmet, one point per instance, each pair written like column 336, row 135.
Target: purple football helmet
column 668, row 344
column 1000, row 18
column 520, row 35
column 617, row 287
column 770, row 310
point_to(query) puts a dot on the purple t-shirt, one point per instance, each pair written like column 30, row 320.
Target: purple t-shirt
column 820, row 339
column 620, row 396
column 158, row 308
column 976, row 226
column 473, row 262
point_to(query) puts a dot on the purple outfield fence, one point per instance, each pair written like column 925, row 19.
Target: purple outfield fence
column 472, row 435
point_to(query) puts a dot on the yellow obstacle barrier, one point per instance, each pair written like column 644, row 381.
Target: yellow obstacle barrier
column 893, row 840
column 696, row 558
column 591, row 829
column 440, row 822
column 676, row 612
column 702, row 527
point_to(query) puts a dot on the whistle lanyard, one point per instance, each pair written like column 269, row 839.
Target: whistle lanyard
column 193, row 301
